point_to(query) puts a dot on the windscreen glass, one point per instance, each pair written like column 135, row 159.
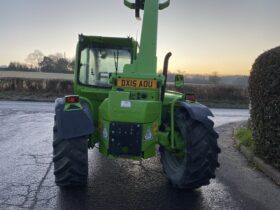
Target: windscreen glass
column 97, row 65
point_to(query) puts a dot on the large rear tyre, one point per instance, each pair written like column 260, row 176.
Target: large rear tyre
column 201, row 151
column 70, row 158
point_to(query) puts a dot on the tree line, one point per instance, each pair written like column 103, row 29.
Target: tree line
column 38, row 62
column 58, row 63
column 214, row 78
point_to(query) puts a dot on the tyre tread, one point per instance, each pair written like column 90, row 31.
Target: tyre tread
column 70, row 158
column 201, row 159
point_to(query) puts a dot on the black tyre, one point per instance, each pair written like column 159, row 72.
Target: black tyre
column 201, row 151
column 70, row 158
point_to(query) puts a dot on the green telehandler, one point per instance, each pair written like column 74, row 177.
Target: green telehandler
column 122, row 104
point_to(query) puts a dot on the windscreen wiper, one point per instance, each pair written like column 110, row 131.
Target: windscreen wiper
column 116, row 59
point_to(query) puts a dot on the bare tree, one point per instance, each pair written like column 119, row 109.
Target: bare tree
column 55, row 57
column 55, row 63
column 33, row 59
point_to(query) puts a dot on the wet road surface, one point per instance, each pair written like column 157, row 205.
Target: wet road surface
column 27, row 181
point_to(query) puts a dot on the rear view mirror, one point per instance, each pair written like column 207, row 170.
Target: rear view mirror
column 179, row 80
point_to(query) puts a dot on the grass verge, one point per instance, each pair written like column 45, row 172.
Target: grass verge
column 244, row 135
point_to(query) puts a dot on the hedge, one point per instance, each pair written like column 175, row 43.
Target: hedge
column 264, row 95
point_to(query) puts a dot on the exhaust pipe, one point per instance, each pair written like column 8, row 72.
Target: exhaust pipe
column 165, row 70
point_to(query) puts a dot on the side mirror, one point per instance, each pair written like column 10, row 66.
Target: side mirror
column 179, row 80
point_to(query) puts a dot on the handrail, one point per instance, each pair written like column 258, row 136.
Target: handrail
column 164, row 5
column 129, row 4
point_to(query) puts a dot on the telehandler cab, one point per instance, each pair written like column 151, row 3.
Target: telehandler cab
column 122, row 104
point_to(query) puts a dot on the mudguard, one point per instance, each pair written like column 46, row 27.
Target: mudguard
column 198, row 112
column 74, row 123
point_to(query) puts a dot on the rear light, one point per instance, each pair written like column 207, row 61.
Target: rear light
column 190, row 97
column 72, row 99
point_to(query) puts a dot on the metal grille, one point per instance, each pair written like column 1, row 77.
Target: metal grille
column 125, row 139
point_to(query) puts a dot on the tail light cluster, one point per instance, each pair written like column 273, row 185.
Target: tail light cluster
column 72, row 99
column 190, row 97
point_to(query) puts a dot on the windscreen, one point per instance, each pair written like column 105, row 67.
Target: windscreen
column 97, row 65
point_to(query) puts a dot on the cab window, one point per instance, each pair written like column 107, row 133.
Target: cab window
column 97, row 65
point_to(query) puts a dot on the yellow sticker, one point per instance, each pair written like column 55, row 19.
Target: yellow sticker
column 155, row 127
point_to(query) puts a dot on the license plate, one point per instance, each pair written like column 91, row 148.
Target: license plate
column 136, row 83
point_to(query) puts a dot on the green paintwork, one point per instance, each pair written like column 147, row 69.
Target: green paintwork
column 94, row 96
column 126, row 104
column 179, row 81
column 146, row 62
column 140, row 111
column 172, row 121
column 163, row 138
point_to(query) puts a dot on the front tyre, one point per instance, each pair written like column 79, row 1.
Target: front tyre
column 200, row 159
column 70, row 158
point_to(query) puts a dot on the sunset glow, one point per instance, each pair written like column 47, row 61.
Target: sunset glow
column 204, row 36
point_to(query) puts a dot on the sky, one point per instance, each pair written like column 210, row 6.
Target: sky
column 204, row 36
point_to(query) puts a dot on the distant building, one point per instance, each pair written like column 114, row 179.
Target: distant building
column 3, row 66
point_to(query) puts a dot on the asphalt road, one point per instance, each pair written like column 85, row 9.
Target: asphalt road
column 27, row 181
